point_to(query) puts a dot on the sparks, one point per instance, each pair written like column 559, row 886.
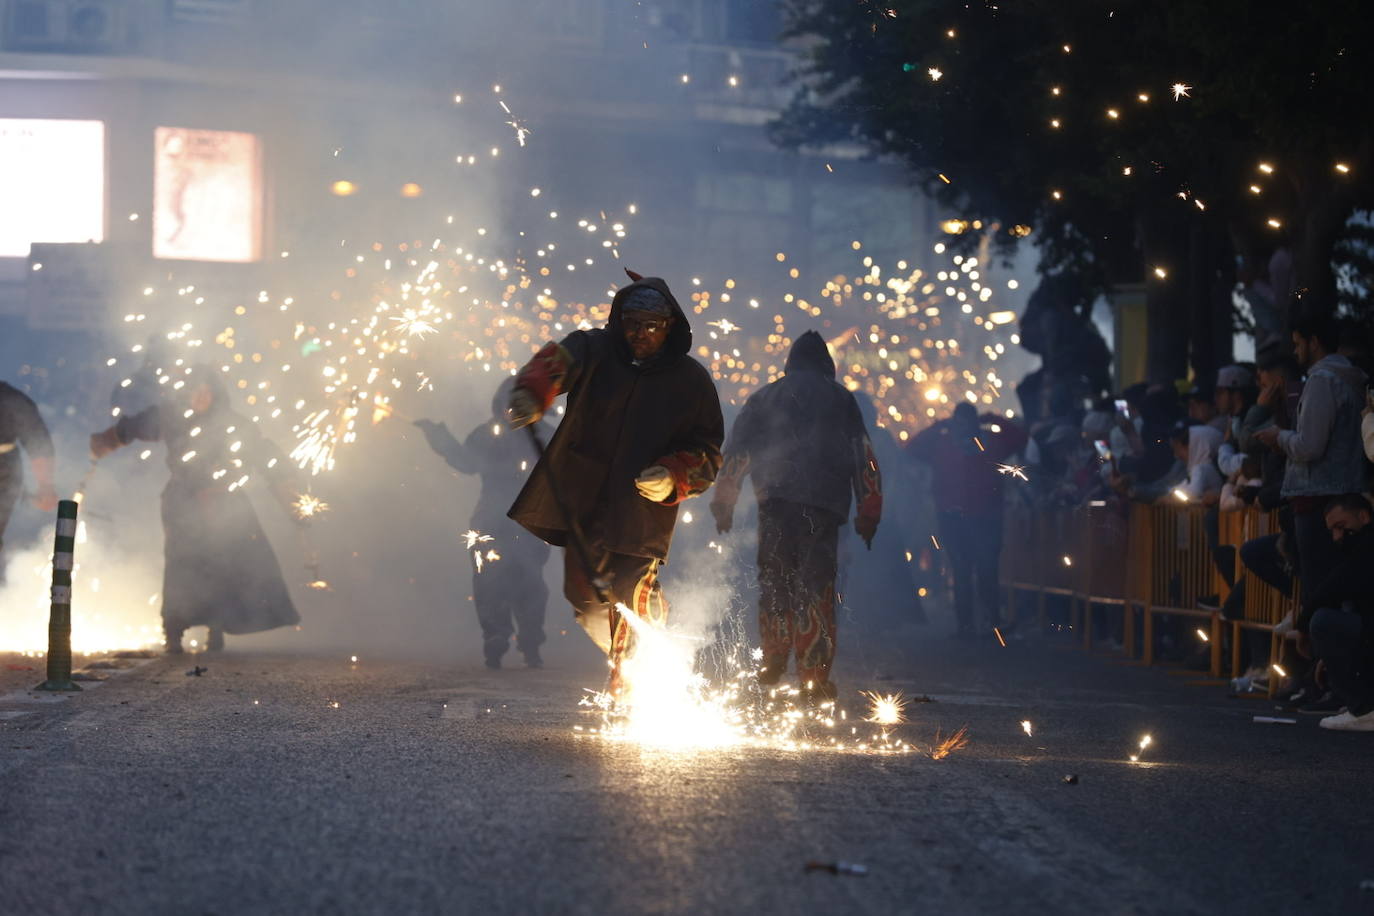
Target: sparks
column 474, row 537
column 1026, row 727
column 885, row 709
column 1181, row 91
column 1012, row 470
column 946, row 746
column 306, row 505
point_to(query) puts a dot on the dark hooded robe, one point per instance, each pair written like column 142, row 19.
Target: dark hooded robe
column 622, row 416
column 220, row 570
column 803, row 442
column 507, row 571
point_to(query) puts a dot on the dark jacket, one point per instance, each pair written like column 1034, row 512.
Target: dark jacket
column 621, row 418
column 20, row 425
column 1351, row 580
column 964, row 475
column 802, row 439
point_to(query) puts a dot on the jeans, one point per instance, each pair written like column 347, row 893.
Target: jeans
column 1316, row 550
column 1338, row 640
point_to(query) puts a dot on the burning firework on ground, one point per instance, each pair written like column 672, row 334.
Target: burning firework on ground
column 669, row 703
column 885, row 709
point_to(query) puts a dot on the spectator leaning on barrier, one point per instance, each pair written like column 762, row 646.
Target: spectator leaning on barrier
column 1336, row 625
column 1235, row 394
column 1324, row 452
column 1202, row 408
column 1196, row 446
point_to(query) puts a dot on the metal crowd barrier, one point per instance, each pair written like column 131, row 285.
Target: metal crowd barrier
column 1149, row 559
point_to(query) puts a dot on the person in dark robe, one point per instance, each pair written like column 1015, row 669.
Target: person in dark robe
column 507, row 561
column 220, row 570
column 803, row 441
column 21, row 427
column 641, row 434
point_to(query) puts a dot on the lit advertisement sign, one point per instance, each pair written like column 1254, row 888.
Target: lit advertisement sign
column 207, row 195
column 52, row 183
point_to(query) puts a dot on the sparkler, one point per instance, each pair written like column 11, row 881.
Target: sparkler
column 1026, row 727
column 1145, row 742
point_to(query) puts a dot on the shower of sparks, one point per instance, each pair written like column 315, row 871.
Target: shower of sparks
column 885, row 709
column 666, row 702
column 916, row 336
column 308, row 506
column 1180, row 91
column 1012, row 470
column 946, row 746
column 1026, row 727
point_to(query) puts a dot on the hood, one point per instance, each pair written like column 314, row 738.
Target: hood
column 1343, row 369
column 1203, row 443
column 810, row 354
column 679, row 341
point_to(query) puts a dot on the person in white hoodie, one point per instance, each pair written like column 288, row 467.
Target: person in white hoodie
column 1197, row 446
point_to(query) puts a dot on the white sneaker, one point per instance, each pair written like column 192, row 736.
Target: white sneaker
column 1345, row 722
column 1283, row 626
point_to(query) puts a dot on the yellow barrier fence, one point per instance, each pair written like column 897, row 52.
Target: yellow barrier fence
column 1155, row 559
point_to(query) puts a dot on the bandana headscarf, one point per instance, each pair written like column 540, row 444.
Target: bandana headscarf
column 648, row 300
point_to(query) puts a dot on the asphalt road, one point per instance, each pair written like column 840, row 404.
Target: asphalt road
column 281, row 784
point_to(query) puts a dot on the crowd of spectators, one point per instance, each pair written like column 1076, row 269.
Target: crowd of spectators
column 1291, row 434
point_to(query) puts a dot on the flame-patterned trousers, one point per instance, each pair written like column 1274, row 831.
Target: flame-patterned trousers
column 797, row 549
column 633, row 582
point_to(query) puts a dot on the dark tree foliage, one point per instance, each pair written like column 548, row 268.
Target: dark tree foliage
column 1060, row 116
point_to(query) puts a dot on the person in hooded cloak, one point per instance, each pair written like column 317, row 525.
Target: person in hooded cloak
column 507, row 562
column 220, row 570
column 803, row 441
column 641, row 433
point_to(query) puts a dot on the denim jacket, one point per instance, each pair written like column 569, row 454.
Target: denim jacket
column 1325, row 452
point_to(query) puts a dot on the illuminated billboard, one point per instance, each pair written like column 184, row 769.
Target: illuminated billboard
column 207, row 195
column 52, row 183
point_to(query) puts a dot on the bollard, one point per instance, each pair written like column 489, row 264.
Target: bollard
column 60, row 617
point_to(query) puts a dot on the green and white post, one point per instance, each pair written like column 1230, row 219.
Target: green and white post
column 60, row 617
